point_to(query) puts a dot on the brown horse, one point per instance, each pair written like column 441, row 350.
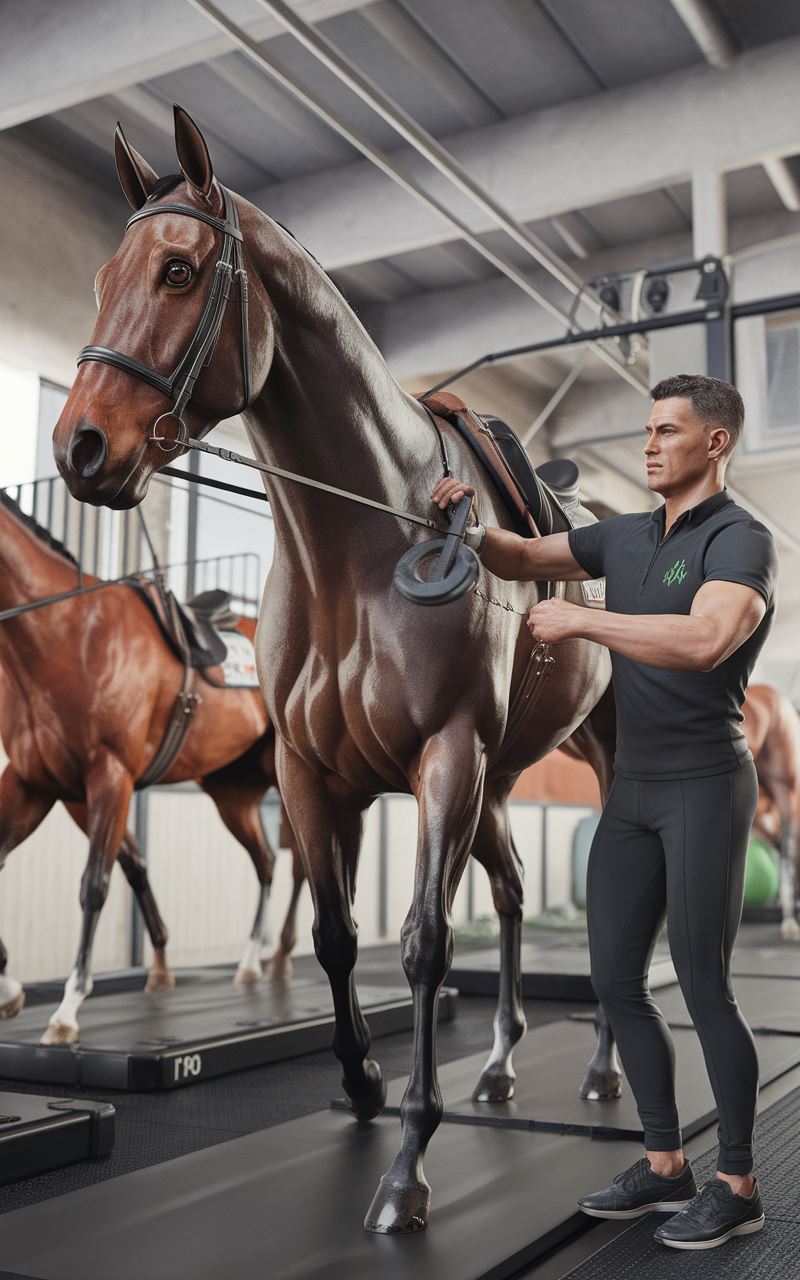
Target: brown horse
column 368, row 692
column 87, row 689
column 772, row 728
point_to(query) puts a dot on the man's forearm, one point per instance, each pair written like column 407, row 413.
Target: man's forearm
column 673, row 641
column 506, row 555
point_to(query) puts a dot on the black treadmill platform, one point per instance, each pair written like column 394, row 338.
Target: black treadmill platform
column 38, row 1134
column 166, row 1040
column 553, row 969
column 779, row 961
column 550, row 1062
column 768, row 1005
column 289, row 1202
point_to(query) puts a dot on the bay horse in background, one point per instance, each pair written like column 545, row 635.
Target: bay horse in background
column 87, row 689
column 368, row 692
column 772, row 728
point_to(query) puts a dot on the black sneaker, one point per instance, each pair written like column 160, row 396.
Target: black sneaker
column 639, row 1190
column 713, row 1217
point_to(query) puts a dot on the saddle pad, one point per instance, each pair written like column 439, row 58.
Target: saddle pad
column 239, row 663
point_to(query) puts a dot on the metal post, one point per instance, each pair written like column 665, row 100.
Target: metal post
column 193, row 465
column 137, row 923
column 543, row 906
column 383, row 867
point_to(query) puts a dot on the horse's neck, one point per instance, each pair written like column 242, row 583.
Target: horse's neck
column 28, row 571
column 332, row 410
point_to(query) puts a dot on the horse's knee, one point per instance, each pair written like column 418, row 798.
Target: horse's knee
column 507, row 896
column 426, row 946
column 336, row 944
column 94, row 890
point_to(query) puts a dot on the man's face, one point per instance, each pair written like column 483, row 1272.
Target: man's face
column 678, row 445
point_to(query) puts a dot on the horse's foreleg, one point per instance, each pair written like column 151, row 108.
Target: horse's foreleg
column 451, row 776
column 603, row 1079
column 22, row 808
column 240, row 810
column 108, row 792
column 494, row 849
column 280, row 966
column 134, row 868
column 328, row 830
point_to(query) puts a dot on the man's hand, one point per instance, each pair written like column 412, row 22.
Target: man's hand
column 554, row 620
column 451, row 490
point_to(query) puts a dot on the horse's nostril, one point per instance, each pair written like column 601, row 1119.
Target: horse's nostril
column 89, row 451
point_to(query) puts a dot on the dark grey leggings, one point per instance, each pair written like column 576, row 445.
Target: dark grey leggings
column 676, row 847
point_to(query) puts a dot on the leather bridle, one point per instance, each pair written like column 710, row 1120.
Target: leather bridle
column 179, row 386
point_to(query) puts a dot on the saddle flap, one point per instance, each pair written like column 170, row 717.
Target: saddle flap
column 527, row 506
column 214, row 607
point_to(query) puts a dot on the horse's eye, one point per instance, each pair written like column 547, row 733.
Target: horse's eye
column 177, row 274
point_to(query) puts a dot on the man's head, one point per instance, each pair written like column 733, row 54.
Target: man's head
column 694, row 426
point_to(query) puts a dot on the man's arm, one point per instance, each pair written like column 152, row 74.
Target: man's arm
column 511, row 557
column 723, row 616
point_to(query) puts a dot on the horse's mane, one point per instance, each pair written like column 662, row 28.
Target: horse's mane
column 44, row 535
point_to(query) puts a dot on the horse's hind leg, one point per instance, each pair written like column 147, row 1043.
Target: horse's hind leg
column 108, row 793
column 280, row 966
column 328, row 829
column 134, row 868
column 494, row 849
column 22, row 808
column 449, row 793
column 239, row 806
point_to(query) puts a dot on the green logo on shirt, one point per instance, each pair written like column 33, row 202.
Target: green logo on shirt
column 676, row 574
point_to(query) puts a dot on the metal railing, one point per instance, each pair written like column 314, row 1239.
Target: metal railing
column 109, row 543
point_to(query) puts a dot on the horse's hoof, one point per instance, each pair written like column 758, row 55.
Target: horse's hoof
column 12, row 1007
column 59, row 1033
column 246, row 977
column 280, row 967
column 398, row 1209
column 601, row 1086
column 369, row 1104
column 494, row 1086
column 790, row 930
column 160, row 980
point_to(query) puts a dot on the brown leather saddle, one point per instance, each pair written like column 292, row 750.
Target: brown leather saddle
column 541, row 500
column 190, row 629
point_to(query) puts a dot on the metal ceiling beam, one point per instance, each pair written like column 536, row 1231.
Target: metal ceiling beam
column 426, row 145
column 399, row 176
column 707, row 29
column 58, row 55
column 784, row 182
column 424, row 336
column 581, row 153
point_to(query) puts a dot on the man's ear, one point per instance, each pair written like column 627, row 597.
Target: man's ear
column 136, row 177
column 193, row 157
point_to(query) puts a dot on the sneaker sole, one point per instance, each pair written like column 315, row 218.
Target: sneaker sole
column 745, row 1229
column 658, row 1206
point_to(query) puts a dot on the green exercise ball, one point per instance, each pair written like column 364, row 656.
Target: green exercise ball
column 762, row 877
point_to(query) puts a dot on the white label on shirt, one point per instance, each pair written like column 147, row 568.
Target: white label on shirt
column 594, row 591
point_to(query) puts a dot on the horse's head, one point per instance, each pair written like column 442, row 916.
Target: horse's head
column 173, row 311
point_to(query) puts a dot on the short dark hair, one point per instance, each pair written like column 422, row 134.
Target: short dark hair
column 712, row 399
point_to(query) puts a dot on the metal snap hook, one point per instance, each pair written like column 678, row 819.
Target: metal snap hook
column 162, row 441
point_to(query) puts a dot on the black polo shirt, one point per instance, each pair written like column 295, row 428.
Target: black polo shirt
column 679, row 724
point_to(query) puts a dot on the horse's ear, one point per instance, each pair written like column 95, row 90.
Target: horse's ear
column 192, row 152
column 136, row 177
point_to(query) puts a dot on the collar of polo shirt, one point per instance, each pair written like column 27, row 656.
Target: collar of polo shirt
column 700, row 511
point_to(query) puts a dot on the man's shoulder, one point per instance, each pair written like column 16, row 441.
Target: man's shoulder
column 738, row 520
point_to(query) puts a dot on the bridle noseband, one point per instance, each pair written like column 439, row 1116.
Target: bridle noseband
column 179, row 386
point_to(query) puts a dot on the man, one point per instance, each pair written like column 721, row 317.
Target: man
column 689, row 603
